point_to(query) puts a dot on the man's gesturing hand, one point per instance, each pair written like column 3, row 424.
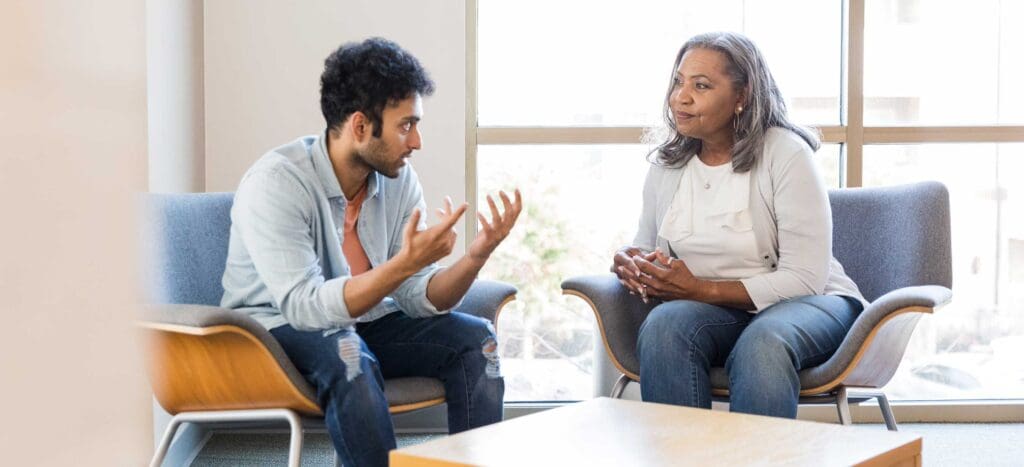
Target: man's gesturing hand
column 424, row 247
column 494, row 231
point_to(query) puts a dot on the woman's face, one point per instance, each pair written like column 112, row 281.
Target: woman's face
column 703, row 100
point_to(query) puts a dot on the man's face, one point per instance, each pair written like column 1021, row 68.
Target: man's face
column 399, row 137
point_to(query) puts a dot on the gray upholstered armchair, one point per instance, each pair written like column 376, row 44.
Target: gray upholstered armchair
column 894, row 242
column 210, row 364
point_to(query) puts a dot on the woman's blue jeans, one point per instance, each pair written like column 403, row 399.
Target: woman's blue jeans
column 348, row 368
column 681, row 340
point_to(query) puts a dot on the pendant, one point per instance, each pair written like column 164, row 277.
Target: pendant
column 707, row 186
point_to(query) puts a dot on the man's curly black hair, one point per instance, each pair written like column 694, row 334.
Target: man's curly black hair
column 366, row 77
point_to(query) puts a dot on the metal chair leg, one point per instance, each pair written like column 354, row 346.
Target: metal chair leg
column 620, row 386
column 843, row 405
column 295, row 444
column 165, row 442
column 883, row 405
column 217, row 416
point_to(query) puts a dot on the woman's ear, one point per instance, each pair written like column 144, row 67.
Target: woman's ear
column 741, row 101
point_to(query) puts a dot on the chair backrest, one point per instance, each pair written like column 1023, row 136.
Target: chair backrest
column 189, row 241
column 892, row 237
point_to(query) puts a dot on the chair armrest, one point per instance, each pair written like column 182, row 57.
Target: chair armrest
column 619, row 316
column 924, row 298
column 485, row 299
column 929, row 296
column 873, row 348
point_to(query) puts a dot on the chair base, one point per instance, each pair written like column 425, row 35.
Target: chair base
column 843, row 405
column 841, row 398
column 221, row 416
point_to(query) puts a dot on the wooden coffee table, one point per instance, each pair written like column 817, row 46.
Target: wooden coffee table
column 619, row 432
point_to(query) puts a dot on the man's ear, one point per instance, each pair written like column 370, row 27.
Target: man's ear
column 361, row 126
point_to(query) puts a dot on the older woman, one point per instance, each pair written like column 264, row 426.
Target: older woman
column 735, row 240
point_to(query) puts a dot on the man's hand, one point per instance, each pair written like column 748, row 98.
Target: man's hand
column 421, row 248
column 493, row 232
column 450, row 284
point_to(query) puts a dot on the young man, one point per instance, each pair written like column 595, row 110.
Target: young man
column 330, row 250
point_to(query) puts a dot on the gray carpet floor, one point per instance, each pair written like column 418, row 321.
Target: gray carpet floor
column 945, row 444
column 248, row 449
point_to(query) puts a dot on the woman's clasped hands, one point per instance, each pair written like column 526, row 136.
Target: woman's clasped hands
column 654, row 275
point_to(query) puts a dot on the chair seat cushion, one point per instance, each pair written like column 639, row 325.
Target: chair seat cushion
column 719, row 378
column 412, row 390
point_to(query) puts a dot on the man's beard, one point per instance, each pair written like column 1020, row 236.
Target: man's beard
column 376, row 156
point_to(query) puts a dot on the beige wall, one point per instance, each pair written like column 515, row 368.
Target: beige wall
column 263, row 60
column 73, row 126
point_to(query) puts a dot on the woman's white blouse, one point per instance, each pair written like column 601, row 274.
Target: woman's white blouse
column 708, row 224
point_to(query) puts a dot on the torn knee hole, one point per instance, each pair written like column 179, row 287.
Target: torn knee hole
column 489, row 347
column 350, row 353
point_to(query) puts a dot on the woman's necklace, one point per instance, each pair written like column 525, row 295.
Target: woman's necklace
column 707, row 174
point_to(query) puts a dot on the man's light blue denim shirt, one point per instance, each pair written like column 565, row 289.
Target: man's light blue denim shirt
column 285, row 264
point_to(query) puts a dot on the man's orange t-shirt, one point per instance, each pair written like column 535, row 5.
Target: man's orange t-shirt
column 358, row 262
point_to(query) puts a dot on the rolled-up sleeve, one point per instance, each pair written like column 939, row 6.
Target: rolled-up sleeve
column 272, row 214
column 804, row 221
column 411, row 295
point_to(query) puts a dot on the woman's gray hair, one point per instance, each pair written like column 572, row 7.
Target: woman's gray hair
column 763, row 107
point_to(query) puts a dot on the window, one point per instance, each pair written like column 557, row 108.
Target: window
column 583, row 203
column 970, row 349
column 566, row 90
column 607, row 63
column 952, row 64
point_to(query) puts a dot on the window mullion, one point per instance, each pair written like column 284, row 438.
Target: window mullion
column 854, row 93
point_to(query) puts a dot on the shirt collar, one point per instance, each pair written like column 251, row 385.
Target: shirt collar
column 325, row 171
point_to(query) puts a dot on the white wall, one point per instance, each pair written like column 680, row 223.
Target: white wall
column 174, row 55
column 263, row 60
column 73, row 126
